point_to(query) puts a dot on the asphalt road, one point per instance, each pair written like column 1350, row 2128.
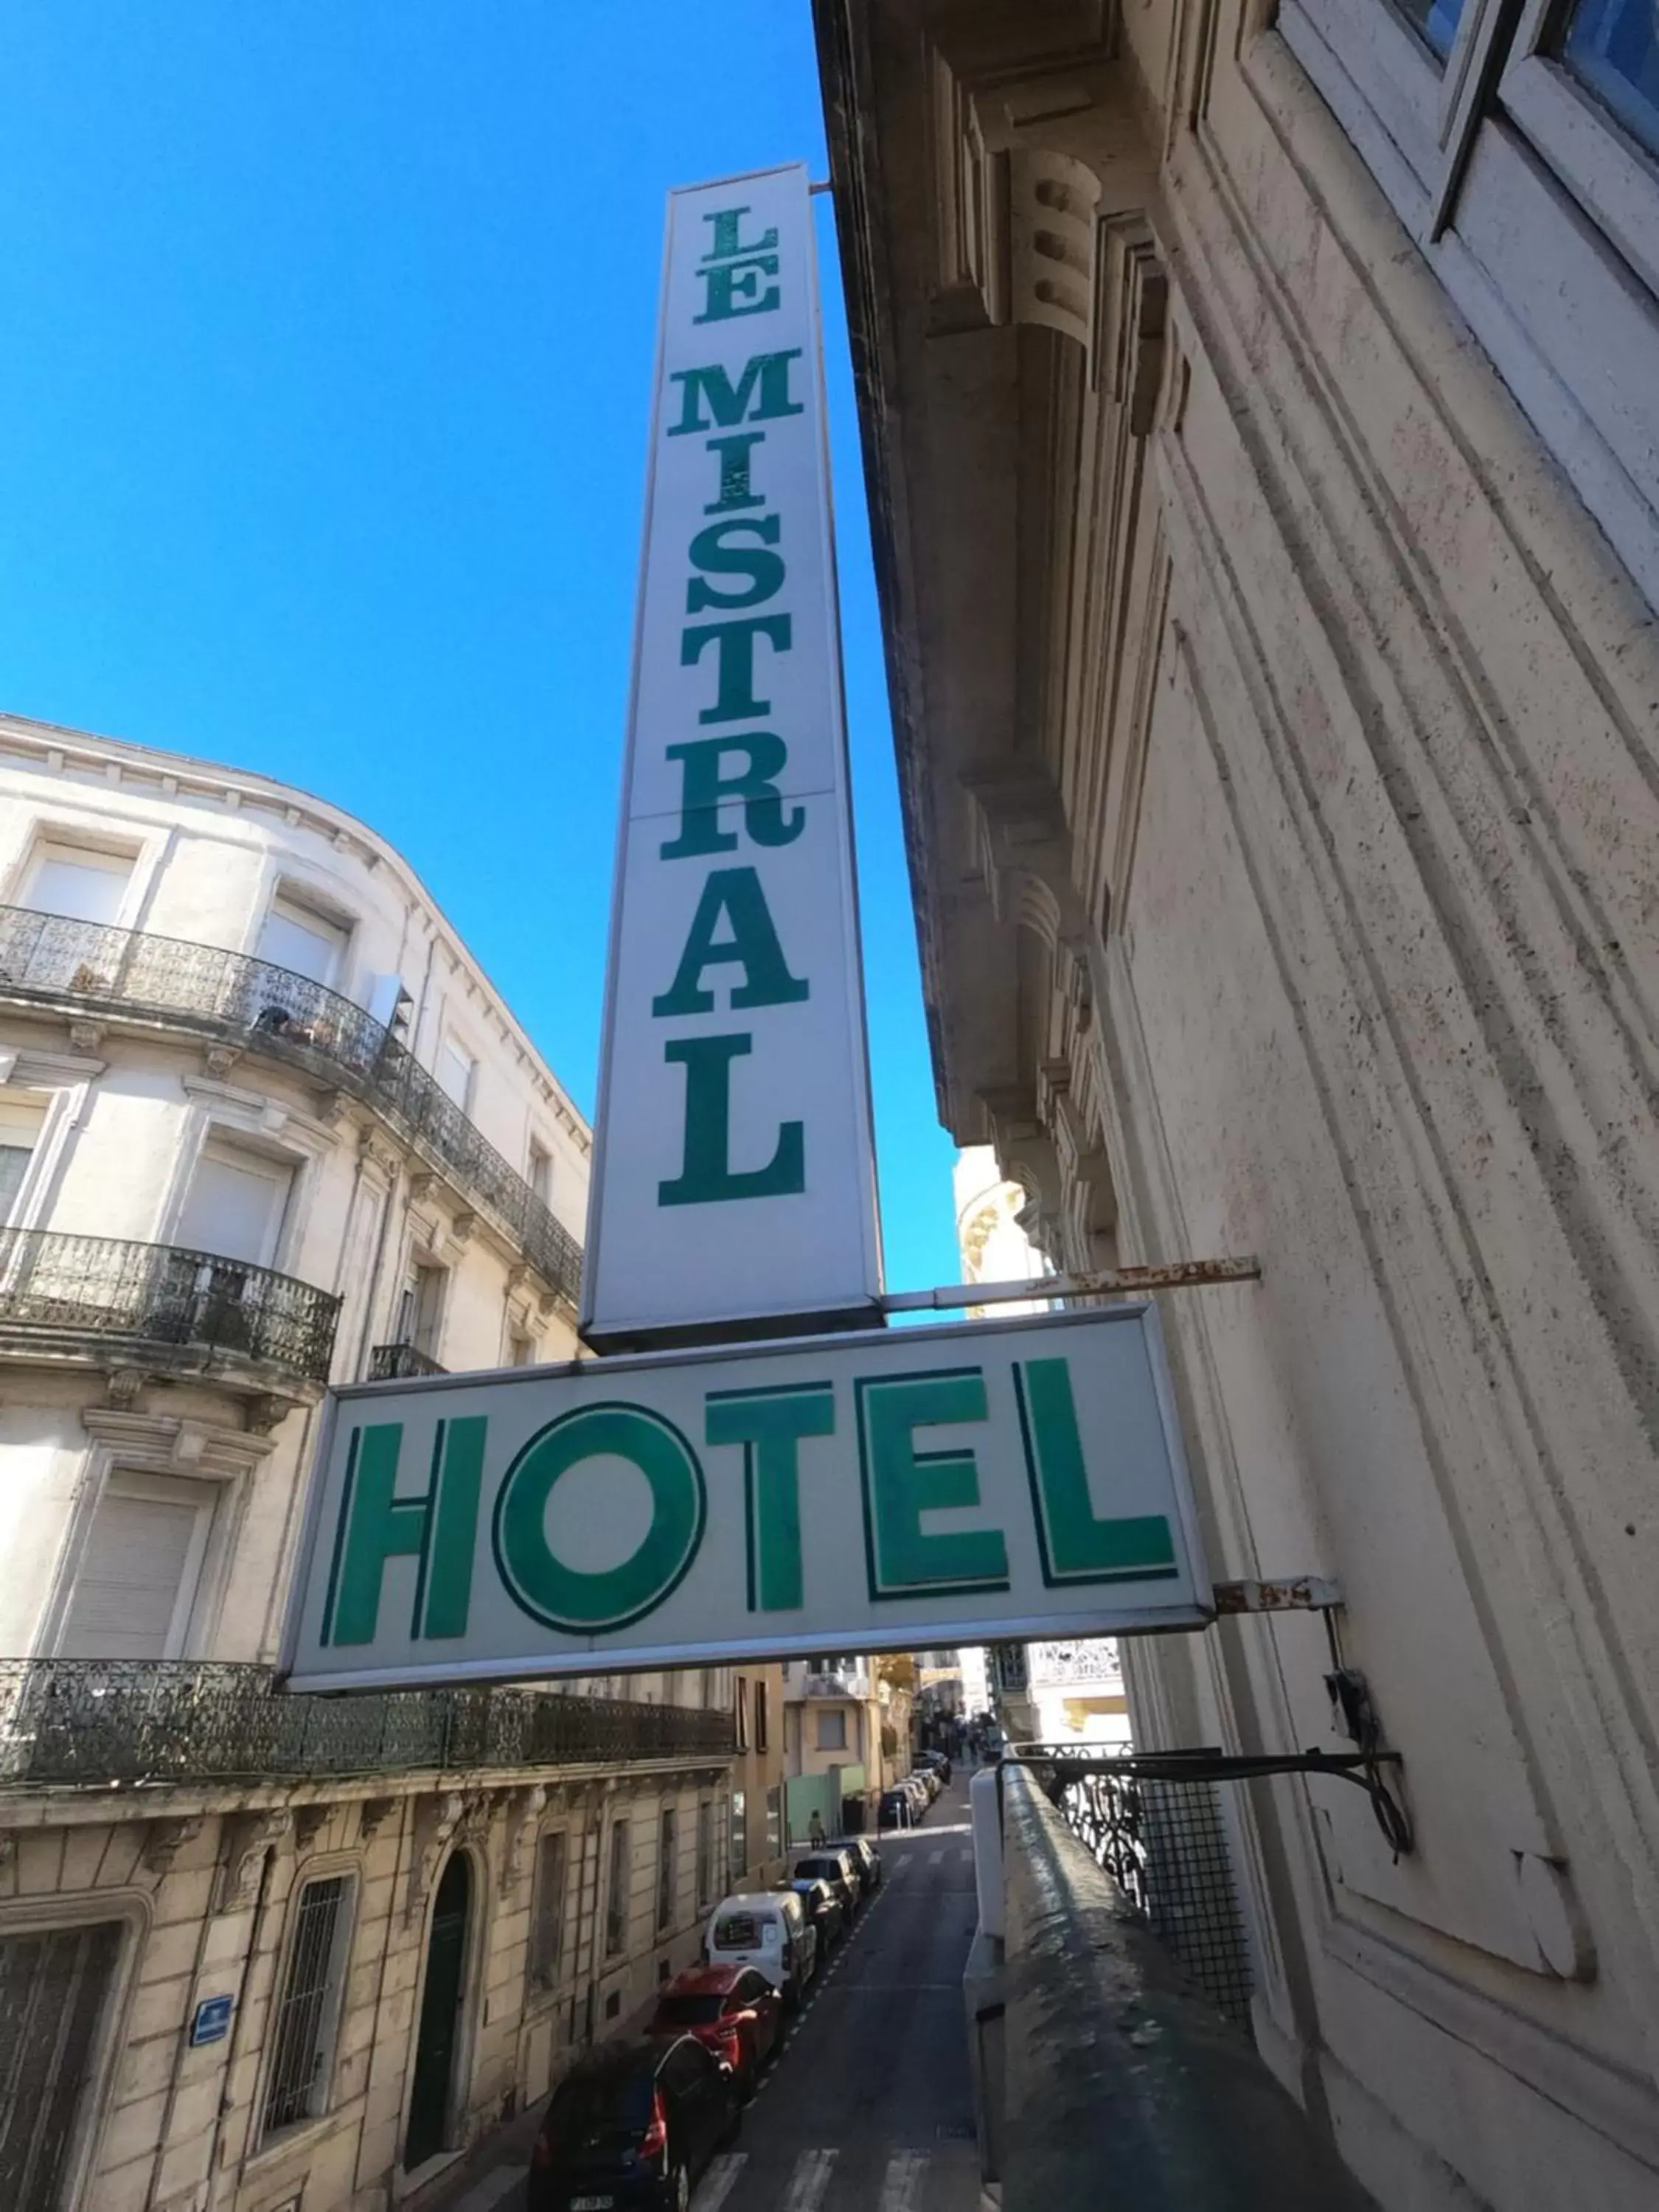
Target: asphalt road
column 868, row 2107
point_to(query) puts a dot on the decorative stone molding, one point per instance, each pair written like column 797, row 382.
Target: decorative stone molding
column 262, row 1413
column 372, row 1816
column 122, row 1386
column 165, row 1445
column 421, row 1184
column 1133, row 313
column 164, row 1840
column 462, row 1227
column 519, row 1857
column 1052, row 239
column 249, row 1839
column 220, row 1059
column 85, row 1036
column 309, row 1822
column 436, row 1820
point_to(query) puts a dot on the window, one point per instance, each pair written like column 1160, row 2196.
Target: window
column 303, row 2031
column 743, row 1713
column 739, row 1835
column 235, row 1203
column 541, row 1172
column 78, row 881
column 616, row 1890
column 774, row 1822
column 832, row 1731
column 19, row 1132
column 54, row 1985
column 421, row 1309
column 668, row 1845
column 705, row 1854
column 547, row 1926
column 521, row 1352
column 761, row 1728
column 297, row 938
column 1515, row 141
column 455, row 1071
column 135, row 1585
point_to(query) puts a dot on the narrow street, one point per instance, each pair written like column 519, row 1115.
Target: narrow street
column 867, row 2108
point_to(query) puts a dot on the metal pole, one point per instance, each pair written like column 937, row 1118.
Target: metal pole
column 1106, row 1282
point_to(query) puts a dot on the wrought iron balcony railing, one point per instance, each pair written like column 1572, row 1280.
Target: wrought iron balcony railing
column 92, row 1723
column 1057, row 1665
column 401, row 1363
column 269, row 1009
column 151, row 1295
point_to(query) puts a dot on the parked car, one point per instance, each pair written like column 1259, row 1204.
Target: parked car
column 633, row 2125
column 734, row 2011
column 920, row 1799
column 897, row 1808
column 938, row 1758
column 929, row 1781
column 770, row 1931
column 825, row 1913
column 837, row 1868
column 867, row 1860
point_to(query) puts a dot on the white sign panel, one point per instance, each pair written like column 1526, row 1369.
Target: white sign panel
column 868, row 1492
column 733, row 1176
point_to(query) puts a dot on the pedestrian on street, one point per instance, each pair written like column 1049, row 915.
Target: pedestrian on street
column 815, row 1830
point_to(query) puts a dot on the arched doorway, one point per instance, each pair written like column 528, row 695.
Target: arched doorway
column 441, row 1994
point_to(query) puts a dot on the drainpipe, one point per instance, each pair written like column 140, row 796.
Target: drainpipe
column 180, row 2049
column 235, row 2052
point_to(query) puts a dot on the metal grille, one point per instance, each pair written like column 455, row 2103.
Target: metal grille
column 272, row 1010
column 302, row 2032
column 1163, row 1844
column 97, row 1721
column 401, row 1363
column 160, row 1294
column 52, row 1988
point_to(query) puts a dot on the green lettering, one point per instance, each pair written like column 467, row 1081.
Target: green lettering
column 728, row 246
column 438, row 1527
column 706, row 1176
column 901, row 1484
column 577, row 1601
column 736, row 489
column 1077, row 1546
column 734, row 288
column 729, row 406
column 704, row 791
column 769, row 1425
column 735, row 644
column 736, row 894
column 711, row 554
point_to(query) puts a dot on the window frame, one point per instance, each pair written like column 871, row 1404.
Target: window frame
column 50, row 839
column 199, row 1572
column 307, row 904
column 222, row 1143
column 826, row 1714
column 668, row 1845
column 542, row 1973
column 451, row 1040
column 708, row 1847
column 619, row 1846
column 324, row 2066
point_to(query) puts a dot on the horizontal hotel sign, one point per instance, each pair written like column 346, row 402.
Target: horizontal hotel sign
column 869, row 1492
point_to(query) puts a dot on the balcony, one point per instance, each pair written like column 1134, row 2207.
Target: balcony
column 125, row 974
column 157, row 1306
column 93, row 1724
column 401, row 1363
column 1066, row 1666
column 838, row 1684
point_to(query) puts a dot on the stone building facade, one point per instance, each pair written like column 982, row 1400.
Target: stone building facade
column 265, row 1125
column 1259, row 409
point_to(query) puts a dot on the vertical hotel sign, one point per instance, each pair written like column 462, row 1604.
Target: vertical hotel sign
column 734, row 1178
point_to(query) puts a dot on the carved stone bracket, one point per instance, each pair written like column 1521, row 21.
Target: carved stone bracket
column 519, row 1857
column 84, row 1035
column 219, row 1058
column 262, row 1413
column 122, row 1386
column 164, row 1840
column 462, row 1227
column 249, row 1837
column 309, row 1821
column 373, row 1815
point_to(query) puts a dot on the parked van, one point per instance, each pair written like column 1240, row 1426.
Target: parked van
column 770, row 1931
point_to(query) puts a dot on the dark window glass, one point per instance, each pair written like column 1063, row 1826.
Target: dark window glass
column 688, row 2011
column 1613, row 46
column 1435, row 22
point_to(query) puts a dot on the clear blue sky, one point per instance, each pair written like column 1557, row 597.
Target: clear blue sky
column 325, row 343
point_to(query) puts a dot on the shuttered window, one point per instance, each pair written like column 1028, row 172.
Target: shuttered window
column 76, row 881
column 547, row 1934
column 668, row 1852
column 135, row 1585
column 303, row 942
column 20, row 1132
column 616, row 1893
column 235, row 1205
column 53, row 1985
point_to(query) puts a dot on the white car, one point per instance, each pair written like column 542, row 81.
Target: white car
column 770, row 1931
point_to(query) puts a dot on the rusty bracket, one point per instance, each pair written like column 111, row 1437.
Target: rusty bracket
column 1121, row 1282
column 1294, row 1594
